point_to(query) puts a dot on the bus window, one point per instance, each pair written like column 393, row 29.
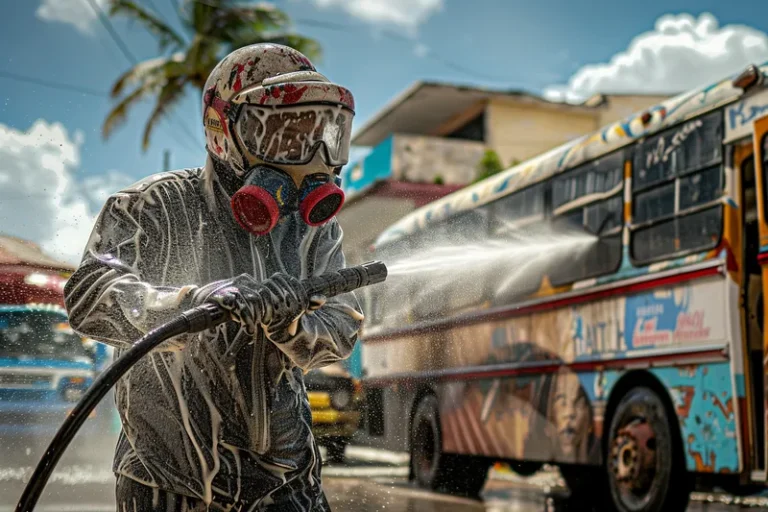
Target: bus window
column 435, row 294
column 513, row 217
column 517, row 210
column 596, row 177
column 601, row 214
column 677, row 183
column 392, row 295
column 765, row 174
column 40, row 335
column 470, row 285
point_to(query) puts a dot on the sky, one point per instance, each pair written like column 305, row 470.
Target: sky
column 56, row 169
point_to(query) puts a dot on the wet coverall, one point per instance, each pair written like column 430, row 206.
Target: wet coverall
column 217, row 420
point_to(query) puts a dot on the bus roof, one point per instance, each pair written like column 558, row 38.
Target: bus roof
column 571, row 154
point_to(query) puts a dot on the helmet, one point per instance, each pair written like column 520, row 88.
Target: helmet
column 267, row 103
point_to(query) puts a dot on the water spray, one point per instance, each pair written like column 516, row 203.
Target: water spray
column 194, row 320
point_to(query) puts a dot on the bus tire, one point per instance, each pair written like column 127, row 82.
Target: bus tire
column 645, row 466
column 431, row 467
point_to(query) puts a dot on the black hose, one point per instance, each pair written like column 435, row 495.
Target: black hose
column 194, row 320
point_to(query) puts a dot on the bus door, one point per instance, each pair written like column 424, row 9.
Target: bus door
column 743, row 233
column 760, row 162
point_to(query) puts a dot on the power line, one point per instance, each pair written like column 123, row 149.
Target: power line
column 53, row 85
column 342, row 27
column 177, row 10
column 152, row 6
column 111, row 30
column 107, row 24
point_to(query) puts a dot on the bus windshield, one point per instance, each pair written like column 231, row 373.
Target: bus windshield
column 41, row 335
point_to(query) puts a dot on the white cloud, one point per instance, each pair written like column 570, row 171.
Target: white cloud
column 682, row 52
column 40, row 198
column 407, row 14
column 78, row 13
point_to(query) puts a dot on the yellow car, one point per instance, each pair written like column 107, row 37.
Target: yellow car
column 335, row 400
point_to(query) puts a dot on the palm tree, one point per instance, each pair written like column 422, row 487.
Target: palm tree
column 215, row 28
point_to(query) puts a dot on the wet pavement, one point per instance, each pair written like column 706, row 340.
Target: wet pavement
column 369, row 481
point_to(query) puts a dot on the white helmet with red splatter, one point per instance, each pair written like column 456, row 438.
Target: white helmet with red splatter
column 267, row 103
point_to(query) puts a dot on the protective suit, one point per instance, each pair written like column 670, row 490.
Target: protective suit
column 220, row 420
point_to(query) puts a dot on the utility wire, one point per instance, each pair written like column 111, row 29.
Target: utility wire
column 177, row 10
column 343, row 27
column 107, row 24
column 111, row 30
column 151, row 4
column 52, row 85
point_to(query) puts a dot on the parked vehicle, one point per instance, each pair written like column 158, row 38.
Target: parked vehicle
column 335, row 399
column 637, row 362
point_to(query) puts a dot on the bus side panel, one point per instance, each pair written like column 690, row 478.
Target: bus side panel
column 705, row 403
column 520, row 418
column 563, row 422
column 531, row 387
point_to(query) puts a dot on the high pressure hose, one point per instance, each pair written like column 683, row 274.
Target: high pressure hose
column 194, row 320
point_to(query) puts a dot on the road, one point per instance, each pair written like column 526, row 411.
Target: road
column 369, row 481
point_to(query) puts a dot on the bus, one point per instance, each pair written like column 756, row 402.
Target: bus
column 636, row 365
column 45, row 368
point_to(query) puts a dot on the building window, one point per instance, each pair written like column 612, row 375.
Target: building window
column 589, row 200
column 677, row 184
column 472, row 130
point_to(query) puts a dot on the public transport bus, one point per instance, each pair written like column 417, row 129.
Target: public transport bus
column 637, row 364
column 45, row 367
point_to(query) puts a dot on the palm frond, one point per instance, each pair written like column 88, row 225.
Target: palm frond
column 200, row 13
column 170, row 94
column 216, row 27
column 227, row 23
column 201, row 57
column 119, row 112
column 149, row 70
column 166, row 36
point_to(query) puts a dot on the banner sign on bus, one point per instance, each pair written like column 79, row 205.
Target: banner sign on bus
column 740, row 116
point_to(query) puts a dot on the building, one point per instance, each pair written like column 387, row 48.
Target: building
column 428, row 141
column 27, row 275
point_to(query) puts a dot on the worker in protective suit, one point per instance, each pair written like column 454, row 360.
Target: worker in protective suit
column 220, row 420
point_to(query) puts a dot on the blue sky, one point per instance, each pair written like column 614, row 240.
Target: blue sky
column 389, row 45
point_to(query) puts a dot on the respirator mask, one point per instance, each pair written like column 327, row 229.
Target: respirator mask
column 290, row 136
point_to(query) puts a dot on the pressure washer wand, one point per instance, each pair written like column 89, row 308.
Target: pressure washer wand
column 194, row 320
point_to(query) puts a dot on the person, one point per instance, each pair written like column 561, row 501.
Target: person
column 220, row 420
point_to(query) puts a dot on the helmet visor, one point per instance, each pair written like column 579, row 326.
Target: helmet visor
column 291, row 135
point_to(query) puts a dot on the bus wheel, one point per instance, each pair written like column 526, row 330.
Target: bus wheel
column 435, row 470
column 644, row 458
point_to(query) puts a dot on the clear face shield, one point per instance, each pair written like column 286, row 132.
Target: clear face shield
column 292, row 134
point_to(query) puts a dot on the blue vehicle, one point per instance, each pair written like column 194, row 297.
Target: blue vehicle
column 45, row 368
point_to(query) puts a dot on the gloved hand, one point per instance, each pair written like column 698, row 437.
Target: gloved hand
column 276, row 304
